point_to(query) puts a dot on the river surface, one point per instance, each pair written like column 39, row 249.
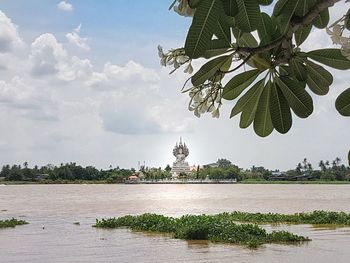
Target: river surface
column 52, row 210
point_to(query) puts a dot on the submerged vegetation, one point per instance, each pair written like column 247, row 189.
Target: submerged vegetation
column 12, row 223
column 217, row 228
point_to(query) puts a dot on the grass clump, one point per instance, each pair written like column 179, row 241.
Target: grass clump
column 12, row 223
column 217, row 228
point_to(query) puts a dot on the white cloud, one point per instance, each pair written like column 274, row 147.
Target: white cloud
column 76, row 40
column 27, row 100
column 50, row 58
column 65, row 6
column 9, row 37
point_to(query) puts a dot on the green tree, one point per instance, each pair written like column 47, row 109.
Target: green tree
column 279, row 74
column 224, row 162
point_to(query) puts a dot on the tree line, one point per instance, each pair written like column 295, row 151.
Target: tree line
column 63, row 172
column 222, row 169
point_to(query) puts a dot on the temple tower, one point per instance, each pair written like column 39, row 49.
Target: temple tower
column 180, row 151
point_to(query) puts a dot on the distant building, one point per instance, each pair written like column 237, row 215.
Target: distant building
column 180, row 166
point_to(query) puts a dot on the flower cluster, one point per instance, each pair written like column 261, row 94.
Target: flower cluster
column 182, row 8
column 175, row 57
column 338, row 38
column 206, row 98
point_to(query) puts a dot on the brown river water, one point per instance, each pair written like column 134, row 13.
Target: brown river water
column 52, row 210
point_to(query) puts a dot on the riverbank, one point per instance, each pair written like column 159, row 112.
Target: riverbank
column 171, row 182
column 292, row 182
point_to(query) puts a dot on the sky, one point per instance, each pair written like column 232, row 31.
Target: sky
column 80, row 81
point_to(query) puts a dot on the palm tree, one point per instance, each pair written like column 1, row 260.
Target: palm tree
column 326, row 164
column 299, row 168
column 322, row 166
column 337, row 160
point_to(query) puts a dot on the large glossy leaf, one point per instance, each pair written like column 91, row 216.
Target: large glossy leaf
column 249, row 110
column 298, row 69
column 247, row 97
column 322, row 20
column 298, row 99
column 231, row 7
column 203, row 26
column 347, row 20
column 265, row 29
column 262, row 122
column 286, row 14
column 217, row 47
column 265, row 2
column 342, row 103
column 223, row 31
column 331, row 57
column 279, row 6
column 248, row 17
column 301, row 34
column 280, row 112
column 209, row 69
column 318, row 78
column 304, row 7
column 194, row 3
column 247, row 40
column 239, row 83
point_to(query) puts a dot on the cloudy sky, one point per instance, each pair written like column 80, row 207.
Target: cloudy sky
column 80, row 81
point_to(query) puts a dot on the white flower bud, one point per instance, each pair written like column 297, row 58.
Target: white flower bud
column 216, row 113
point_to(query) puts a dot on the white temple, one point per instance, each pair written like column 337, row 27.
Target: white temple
column 180, row 151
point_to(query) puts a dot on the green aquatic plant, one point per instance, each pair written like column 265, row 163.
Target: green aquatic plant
column 316, row 218
column 216, row 228
column 12, row 223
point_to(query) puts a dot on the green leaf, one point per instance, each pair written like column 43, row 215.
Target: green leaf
column 203, row 26
column 342, row 103
column 280, row 112
column 331, row 57
column 286, row 14
column 349, row 157
column 247, row 40
column 299, row 100
column 248, row 17
column 304, row 7
column 216, row 47
column 265, row 29
column 239, row 83
column 347, row 20
column 322, row 20
column 318, row 78
column 209, row 69
column 245, row 99
column 301, row 34
column 223, row 31
column 249, row 110
column 262, row 122
column 231, row 7
column 285, row 70
column 265, row 2
column 194, row 3
column 279, row 6
column 298, row 69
